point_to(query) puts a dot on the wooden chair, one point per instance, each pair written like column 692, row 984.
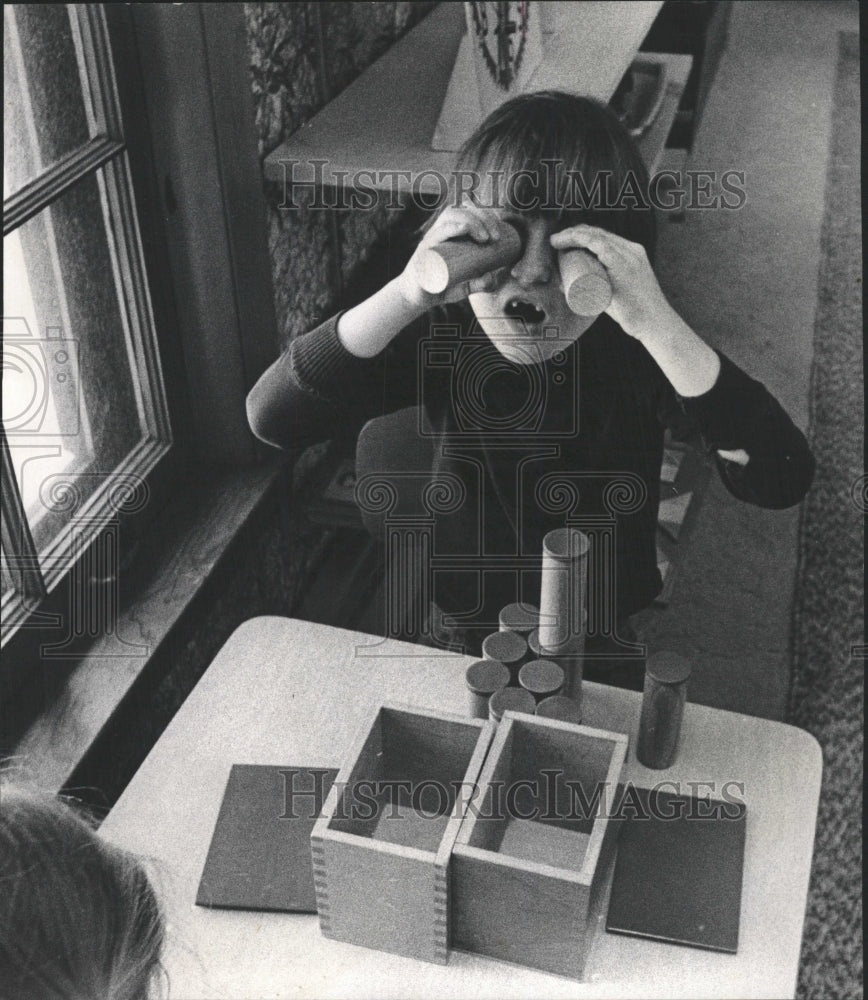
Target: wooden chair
column 393, row 472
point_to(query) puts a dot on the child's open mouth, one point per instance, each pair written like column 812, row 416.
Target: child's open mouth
column 527, row 312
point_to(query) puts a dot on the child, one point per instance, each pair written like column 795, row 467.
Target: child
column 78, row 917
column 587, row 398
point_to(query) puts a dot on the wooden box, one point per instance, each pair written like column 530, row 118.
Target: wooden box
column 523, row 888
column 382, row 844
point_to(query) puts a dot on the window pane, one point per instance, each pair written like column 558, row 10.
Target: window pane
column 7, row 587
column 44, row 112
column 74, row 395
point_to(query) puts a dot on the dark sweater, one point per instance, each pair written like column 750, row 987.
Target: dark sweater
column 531, row 445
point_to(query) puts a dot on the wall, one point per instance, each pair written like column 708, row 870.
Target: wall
column 315, row 251
column 301, row 56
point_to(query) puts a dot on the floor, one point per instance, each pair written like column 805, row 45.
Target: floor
column 768, row 115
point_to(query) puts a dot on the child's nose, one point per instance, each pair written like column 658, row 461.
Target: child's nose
column 536, row 264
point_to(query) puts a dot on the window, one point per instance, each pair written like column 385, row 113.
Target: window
column 138, row 298
column 85, row 417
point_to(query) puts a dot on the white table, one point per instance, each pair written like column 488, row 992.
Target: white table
column 287, row 692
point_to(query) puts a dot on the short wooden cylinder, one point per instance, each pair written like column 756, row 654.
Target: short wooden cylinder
column 541, row 678
column 558, row 706
column 483, row 678
column 520, row 618
column 512, row 700
column 571, row 661
column 509, row 649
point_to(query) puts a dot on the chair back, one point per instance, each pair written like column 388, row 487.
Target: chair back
column 393, row 469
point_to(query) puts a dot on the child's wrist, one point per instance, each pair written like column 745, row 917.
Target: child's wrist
column 368, row 327
column 690, row 365
column 658, row 327
column 411, row 298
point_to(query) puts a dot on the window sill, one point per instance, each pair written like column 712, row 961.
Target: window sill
column 161, row 586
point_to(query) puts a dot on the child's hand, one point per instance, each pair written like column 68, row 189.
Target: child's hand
column 638, row 304
column 482, row 227
column 640, row 308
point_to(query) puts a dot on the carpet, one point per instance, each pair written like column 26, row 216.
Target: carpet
column 828, row 655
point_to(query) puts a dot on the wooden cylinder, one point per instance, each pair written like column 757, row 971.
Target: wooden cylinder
column 571, row 662
column 483, row 678
column 508, row 648
column 585, row 282
column 663, row 701
column 562, row 589
column 533, row 645
column 520, row 618
column 510, row 699
column 454, row 261
column 541, row 678
column 560, row 707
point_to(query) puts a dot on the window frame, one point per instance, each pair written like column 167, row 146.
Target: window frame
column 207, row 273
column 104, row 159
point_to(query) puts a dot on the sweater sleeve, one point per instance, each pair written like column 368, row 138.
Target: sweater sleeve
column 740, row 413
column 317, row 390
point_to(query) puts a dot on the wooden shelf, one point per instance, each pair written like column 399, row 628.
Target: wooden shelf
column 385, row 120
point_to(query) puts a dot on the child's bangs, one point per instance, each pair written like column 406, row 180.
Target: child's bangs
column 528, row 170
column 561, row 157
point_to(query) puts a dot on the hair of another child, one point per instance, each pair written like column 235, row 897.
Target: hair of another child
column 552, row 149
column 79, row 919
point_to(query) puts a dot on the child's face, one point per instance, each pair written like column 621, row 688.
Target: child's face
column 526, row 316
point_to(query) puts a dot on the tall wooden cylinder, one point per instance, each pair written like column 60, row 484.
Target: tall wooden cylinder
column 563, row 589
column 663, row 701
